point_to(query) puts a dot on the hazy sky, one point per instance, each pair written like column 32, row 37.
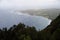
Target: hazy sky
column 29, row 3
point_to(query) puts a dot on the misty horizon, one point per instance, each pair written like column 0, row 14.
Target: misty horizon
column 28, row 4
column 13, row 5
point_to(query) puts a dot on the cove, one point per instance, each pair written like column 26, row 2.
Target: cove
column 9, row 18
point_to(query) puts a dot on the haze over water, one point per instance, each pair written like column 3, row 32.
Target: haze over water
column 9, row 17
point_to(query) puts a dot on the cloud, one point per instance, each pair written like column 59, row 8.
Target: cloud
column 28, row 3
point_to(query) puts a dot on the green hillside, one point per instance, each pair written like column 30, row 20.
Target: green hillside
column 52, row 32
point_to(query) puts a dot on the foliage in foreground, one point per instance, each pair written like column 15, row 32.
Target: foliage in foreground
column 23, row 32
column 19, row 32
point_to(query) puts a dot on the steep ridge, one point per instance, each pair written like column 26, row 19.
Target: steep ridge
column 52, row 32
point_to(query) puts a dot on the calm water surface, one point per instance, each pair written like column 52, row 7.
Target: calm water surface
column 9, row 18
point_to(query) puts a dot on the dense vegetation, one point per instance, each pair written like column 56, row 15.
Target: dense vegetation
column 23, row 32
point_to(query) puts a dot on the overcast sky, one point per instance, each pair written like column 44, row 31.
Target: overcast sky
column 29, row 4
